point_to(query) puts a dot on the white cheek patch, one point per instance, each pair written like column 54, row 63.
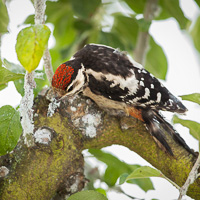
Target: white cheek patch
column 78, row 83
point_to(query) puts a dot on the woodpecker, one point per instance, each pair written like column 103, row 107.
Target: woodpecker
column 115, row 81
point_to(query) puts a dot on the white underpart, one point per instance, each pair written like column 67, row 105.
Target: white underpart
column 131, row 82
column 158, row 97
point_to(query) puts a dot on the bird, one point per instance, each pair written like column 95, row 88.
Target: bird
column 113, row 80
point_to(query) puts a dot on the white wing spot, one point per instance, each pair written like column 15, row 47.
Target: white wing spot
column 158, row 97
column 144, row 71
column 152, row 86
column 147, row 93
column 142, row 83
column 170, row 102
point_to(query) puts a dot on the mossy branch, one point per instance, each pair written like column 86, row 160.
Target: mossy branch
column 55, row 169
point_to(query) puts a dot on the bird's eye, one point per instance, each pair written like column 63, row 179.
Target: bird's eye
column 70, row 89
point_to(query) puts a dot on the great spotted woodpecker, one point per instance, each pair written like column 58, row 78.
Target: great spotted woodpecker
column 115, row 81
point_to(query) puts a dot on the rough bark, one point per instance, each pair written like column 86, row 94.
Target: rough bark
column 55, row 170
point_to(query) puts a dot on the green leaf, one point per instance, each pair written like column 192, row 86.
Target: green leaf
column 10, row 129
column 122, row 178
column 30, row 46
column 128, row 28
column 6, row 76
column 136, row 6
column 145, row 184
column 195, row 97
column 112, row 172
column 156, row 61
column 136, row 177
column 197, row 2
column 101, row 190
column 193, row 126
column 87, row 195
column 85, row 8
column 19, row 84
column 144, row 172
column 4, row 19
column 144, row 25
column 111, row 176
column 3, row 86
column 173, row 8
column 82, row 25
column 110, row 39
column 195, row 32
column 13, row 67
column 29, row 20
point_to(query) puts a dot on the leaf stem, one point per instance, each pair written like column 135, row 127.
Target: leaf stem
column 143, row 37
column 191, row 178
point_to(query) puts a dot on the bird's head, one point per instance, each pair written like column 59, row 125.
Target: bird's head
column 68, row 79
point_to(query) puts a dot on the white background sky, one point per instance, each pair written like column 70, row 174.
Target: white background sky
column 183, row 77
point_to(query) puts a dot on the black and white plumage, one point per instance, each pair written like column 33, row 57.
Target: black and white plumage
column 114, row 81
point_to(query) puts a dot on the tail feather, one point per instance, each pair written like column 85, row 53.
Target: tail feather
column 156, row 123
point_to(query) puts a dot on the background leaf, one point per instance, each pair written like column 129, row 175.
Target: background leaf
column 195, row 32
column 156, row 61
column 194, row 127
column 128, row 28
column 144, row 172
column 195, row 97
column 85, row 8
column 87, row 195
column 136, row 6
column 4, row 19
column 112, row 172
column 6, row 76
column 172, row 7
column 30, row 46
column 10, row 129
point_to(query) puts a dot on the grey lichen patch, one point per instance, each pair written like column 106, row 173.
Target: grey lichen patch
column 43, row 136
column 91, row 122
column 84, row 114
column 3, row 171
column 52, row 107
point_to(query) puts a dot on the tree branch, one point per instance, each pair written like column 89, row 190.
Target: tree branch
column 40, row 6
column 48, row 170
column 191, row 178
column 143, row 37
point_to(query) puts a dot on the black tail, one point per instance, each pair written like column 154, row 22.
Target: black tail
column 156, row 124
